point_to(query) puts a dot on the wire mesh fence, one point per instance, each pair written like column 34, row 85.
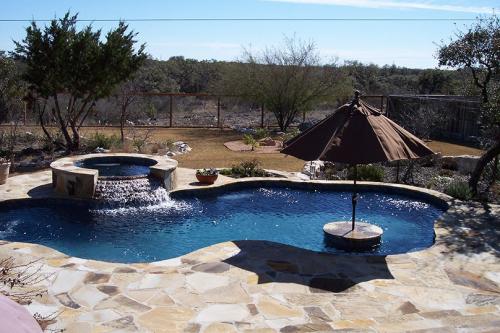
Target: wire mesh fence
column 455, row 118
column 428, row 116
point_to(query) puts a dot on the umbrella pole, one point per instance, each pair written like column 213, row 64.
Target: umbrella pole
column 354, row 197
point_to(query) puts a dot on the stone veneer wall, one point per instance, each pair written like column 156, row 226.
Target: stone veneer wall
column 70, row 180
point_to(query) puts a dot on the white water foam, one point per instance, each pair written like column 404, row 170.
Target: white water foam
column 121, row 197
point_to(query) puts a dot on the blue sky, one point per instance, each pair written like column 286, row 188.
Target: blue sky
column 411, row 44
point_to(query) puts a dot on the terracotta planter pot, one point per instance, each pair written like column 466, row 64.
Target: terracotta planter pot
column 4, row 172
column 207, row 179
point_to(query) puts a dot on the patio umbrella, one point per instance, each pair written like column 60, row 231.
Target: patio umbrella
column 356, row 133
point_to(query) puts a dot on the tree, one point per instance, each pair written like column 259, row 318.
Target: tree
column 151, row 78
column 287, row 80
column 75, row 68
column 433, row 81
column 12, row 89
column 478, row 50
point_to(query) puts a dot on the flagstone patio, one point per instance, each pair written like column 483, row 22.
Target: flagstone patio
column 257, row 286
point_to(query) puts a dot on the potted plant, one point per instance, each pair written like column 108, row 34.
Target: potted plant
column 4, row 170
column 207, row 176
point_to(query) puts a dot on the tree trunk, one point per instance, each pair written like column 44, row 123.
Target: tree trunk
column 482, row 163
column 495, row 171
column 41, row 112
column 62, row 125
column 122, row 124
column 76, row 137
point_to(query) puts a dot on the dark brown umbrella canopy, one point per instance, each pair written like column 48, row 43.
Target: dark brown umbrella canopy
column 356, row 133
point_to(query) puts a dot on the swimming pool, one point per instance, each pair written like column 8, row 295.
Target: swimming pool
column 196, row 220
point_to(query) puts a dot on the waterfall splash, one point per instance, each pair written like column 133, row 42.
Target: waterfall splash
column 126, row 195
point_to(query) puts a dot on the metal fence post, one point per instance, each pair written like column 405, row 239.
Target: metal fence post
column 171, row 109
column 219, row 123
column 262, row 116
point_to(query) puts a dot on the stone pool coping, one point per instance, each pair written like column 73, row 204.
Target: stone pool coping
column 253, row 286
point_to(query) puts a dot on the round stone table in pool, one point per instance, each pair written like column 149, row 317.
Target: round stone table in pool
column 340, row 234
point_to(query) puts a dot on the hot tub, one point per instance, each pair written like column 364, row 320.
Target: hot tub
column 78, row 175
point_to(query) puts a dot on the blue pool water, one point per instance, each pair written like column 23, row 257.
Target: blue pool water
column 117, row 166
column 173, row 228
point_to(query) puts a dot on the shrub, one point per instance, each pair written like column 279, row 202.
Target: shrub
column 459, row 190
column 101, row 140
column 449, row 163
column 367, row 172
column 446, row 173
column 248, row 139
column 290, row 134
column 245, row 169
column 261, row 133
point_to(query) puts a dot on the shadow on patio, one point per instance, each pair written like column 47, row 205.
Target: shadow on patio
column 321, row 272
column 471, row 228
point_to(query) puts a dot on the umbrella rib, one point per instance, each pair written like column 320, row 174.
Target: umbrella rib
column 346, row 122
column 328, row 145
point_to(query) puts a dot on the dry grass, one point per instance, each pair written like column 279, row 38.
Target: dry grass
column 453, row 149
column 209, row 150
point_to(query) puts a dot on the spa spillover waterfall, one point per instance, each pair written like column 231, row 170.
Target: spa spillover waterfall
column 137, row 191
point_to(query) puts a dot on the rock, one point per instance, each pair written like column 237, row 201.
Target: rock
column 313, row 168
column 178, row 148
column 465, row 164
column 101, row 150
column 267, row 142
column 181, row 147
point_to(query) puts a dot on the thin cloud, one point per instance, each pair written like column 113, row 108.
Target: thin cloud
column 394, row 5
column 209, row 45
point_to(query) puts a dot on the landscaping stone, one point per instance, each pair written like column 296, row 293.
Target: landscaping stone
column 66, row 300
column 202, row 282
column 272, row 309
column 109, row 290
column 123, row 304
column 96, row 278
column 212, row 267
column 88, row 296
column 222, row 312
column 66, row 280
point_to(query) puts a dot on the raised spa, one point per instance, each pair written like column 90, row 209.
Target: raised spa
column 192, row 221
column 118, row 166
column 77, row 176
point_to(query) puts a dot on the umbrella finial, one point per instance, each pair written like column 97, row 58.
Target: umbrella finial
column 355, row 100
column 357, row 94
